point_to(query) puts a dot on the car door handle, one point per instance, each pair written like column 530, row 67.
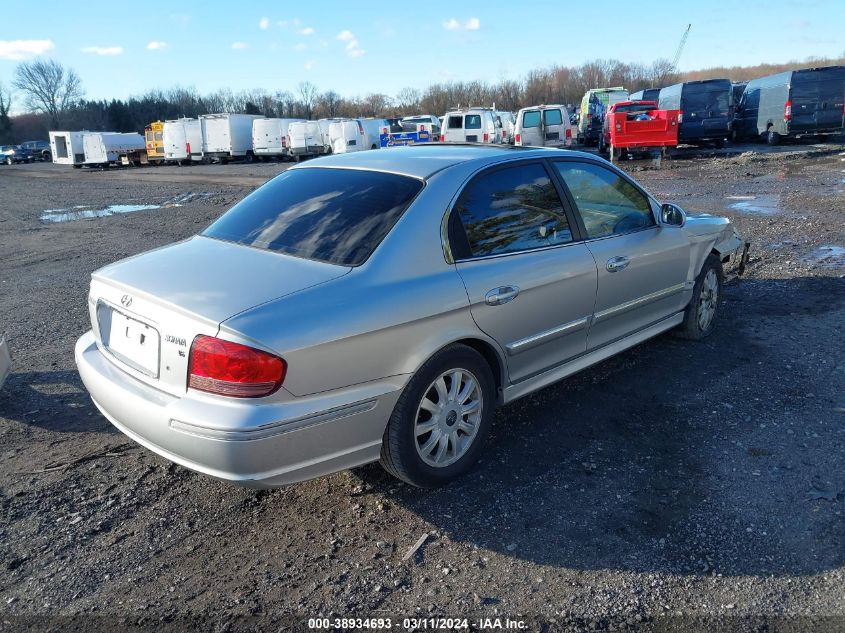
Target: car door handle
column 501, row 295
column 615, row 264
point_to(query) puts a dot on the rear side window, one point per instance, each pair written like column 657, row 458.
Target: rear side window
column 331, row 215
column 552, row 117
column 608, row 203
column 531, row 119
column 472, row 122
column 455, row 122
column 512, row 209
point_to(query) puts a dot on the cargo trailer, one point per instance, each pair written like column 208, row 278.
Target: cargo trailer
column 104, row 148
column 226, row 136
column 706, row 109
column 67, row 148
column 182, row 140
column 270, row 137
column 795, row 103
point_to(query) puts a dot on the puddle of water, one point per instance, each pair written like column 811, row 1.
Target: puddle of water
column 827, row 256
column 81, row 212
column 764, row 204
column 84, row 211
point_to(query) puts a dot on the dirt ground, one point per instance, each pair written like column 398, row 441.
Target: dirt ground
column 676, row 486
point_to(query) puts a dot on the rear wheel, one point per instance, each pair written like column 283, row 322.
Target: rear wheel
column 700, row 315
column 772, row 137
column 438, row 426
column 9, row 161
column 249, row 157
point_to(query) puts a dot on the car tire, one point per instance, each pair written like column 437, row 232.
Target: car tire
column 703, row 308
column 406, row 452
column 772, row 137
column 9, row 161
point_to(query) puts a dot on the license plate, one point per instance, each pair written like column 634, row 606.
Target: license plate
column 134, row 342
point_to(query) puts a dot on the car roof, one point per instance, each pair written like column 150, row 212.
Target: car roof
column 423, row 161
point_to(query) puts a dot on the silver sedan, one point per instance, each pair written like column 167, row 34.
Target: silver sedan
column 380, row 305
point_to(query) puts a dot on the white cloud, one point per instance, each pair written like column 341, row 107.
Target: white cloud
column 354, row 54
column 103, row 50
column 309, row 64
column 156, row 46
column 300, row 47
column 21, row 49
column 307, row 31
column 345, row 36
column 473, row 24
column 264, row 23
column 239, row 46
column 352, row 45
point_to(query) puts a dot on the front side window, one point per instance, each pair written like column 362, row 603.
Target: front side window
column 552, row 117
column 472, row 122
column 337, row 216
column 531, row 119
column 607, row 202
column 512, row 209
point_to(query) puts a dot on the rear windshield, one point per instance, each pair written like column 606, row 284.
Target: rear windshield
column 825, row 85
column 552, row 117
column 531, row 119
column 472, row 122
column 337, row 216
column 455, row 122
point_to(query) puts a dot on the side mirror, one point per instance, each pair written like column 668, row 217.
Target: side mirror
column 672, row 215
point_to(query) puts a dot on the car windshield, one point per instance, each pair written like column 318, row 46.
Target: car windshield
column 337, row 216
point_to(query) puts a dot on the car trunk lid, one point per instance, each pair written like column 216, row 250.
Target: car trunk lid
column 147, row 310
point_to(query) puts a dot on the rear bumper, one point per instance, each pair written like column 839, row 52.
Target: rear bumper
column 245, row 442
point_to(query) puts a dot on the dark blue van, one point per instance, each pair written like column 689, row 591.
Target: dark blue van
column 706, row 109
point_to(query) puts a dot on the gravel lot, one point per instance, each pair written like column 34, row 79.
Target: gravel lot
column 677, row 486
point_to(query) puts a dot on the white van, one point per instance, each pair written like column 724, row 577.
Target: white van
column 543, row 126
column 305, row 139
column 373, row 129
column 508, row 121
column 346, row 136
column 182, row 140
column 226, row 136
column 473, row 125
column 270, row 137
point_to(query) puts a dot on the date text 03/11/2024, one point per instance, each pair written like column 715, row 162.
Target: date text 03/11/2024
column 417, row 624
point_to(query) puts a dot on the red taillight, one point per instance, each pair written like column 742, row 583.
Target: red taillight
column 485, row 137
column 568, row 133
column 188, row 148
column 442, row 138
column 360, row 129
column 232, row 369
column 787, row 110
column 518, row 138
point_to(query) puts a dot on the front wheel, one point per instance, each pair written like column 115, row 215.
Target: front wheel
column 439, row 424
column 700, row 315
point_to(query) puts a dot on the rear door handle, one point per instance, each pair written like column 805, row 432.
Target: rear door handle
column 501, row 295
column 615, row 264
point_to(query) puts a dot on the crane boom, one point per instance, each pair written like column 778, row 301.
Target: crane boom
column 680, row 48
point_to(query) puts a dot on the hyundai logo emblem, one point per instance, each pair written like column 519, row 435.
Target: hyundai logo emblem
column 126, row 300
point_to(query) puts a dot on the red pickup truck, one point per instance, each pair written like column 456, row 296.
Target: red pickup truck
column 638, row 125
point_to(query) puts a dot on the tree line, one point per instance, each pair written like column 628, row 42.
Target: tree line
column 53, row 96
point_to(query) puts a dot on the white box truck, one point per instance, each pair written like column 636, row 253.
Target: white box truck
column 104, row 148
column 270, row 137
column 226, row 136
column 67, row 148
column 306, row 139
column 182, row 141
column 347, row 136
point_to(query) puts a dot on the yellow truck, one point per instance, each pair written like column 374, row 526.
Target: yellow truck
column 154, row 140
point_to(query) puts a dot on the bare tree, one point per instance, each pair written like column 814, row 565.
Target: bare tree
column 48, row 87
column 330, row 103
column 307, row 97
column 5, row 107
column 408, row 100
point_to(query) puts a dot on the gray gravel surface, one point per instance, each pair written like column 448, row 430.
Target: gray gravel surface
column 678, row 486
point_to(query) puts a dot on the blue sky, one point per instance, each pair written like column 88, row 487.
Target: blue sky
column 122, row 48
